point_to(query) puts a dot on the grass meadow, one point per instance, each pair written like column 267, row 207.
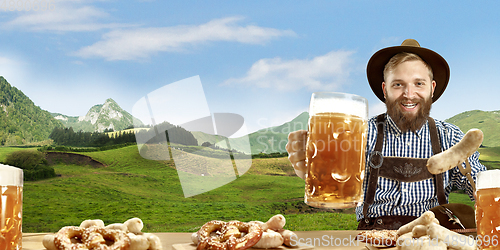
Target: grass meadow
column 131, row 186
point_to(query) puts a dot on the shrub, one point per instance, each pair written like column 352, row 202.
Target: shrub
column 33, row 163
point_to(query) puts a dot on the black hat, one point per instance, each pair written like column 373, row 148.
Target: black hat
column 376, row 65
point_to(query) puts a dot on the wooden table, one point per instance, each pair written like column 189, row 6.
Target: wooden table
column 342, row 240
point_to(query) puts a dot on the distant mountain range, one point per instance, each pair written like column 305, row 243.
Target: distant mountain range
column 22, row 122
column 267, row 140
column 101, row 117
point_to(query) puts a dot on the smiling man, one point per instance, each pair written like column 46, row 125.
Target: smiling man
column 398, row 187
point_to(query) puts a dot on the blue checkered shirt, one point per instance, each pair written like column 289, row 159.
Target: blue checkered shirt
column 413, row 198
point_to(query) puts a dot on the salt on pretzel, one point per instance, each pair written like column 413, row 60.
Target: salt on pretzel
column 457, row 154
column 97, row 238
column 63, row 238
column 220, row 235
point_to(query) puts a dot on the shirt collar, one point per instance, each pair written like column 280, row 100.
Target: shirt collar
column 394, row 129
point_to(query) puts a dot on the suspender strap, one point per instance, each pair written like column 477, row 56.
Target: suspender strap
column 436, row 149
column 374, row 163
column 376, row 160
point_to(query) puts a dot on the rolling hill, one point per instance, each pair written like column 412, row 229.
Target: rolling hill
column 486, row 121
column 267, row 140
column 21, row 121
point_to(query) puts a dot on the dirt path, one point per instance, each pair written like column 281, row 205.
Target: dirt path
column 72, row 158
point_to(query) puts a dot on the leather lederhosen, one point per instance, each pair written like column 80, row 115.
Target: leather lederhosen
column 401, row 169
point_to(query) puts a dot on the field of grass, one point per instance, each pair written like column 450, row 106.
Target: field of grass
column 490, row 157
column 131, row 186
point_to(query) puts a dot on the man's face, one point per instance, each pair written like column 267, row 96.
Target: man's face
column 408, row 94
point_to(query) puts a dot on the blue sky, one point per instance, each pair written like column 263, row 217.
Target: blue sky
column 259, row 59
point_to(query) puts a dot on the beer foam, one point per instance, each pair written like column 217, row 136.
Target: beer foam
column 488, row 179
column 350, row 104
column 10, row 176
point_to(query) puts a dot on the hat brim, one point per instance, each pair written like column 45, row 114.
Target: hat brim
column 376, row 65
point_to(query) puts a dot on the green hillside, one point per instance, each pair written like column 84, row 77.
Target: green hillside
column 490, row 157
column 21, row 121
column 486, row 121
column 267, row 140
column 131, row 186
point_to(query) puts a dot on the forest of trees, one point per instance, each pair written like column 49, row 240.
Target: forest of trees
column 21, row 121
column 68, row 137
column 175, row 134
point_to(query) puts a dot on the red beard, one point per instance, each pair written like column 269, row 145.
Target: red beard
column 407, row 121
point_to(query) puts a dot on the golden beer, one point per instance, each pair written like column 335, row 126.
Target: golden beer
column 11, row 206
column 488, row 218
column 10, row 224
column 335, row 158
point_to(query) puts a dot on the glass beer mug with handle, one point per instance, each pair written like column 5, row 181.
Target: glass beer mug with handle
column 488, row 209
column 335, row 150
column 11, row 200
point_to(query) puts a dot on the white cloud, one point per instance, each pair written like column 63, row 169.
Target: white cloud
column 139, row 43
column 326, row 72
column 64, row 17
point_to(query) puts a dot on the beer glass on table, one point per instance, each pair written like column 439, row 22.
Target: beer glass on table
column 488, row 209
column 335, row 150
column 11, row 203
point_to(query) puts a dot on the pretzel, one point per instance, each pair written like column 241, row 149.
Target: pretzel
column 97, row 238
column 62, row 240
column 94, row 235
column 220, row 235
column 457, row 154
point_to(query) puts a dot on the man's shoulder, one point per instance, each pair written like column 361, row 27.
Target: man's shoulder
column 450, row 133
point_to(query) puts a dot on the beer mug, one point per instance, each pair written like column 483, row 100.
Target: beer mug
column 488, row 209
column 11, row 202
column 335, row 150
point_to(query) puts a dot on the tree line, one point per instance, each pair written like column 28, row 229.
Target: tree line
column 157, row 134
column 68, row 137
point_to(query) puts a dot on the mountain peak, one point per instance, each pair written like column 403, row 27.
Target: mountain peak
column 109, row 100
column 100, row 117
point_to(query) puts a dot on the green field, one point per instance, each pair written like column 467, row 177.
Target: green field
column 131, row 186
